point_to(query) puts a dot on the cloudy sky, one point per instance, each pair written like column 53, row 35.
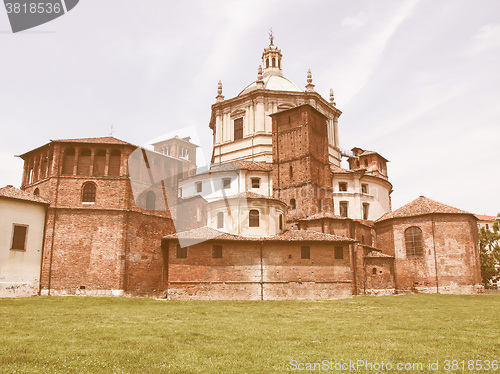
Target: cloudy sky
column 417, row 80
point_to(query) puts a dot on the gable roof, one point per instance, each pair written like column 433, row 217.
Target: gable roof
column 11, row 192
column 485, row 218
column 422, row 206
column 209, row 233
column 102, row 140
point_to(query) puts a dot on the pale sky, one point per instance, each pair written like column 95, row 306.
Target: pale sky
column 417, row 81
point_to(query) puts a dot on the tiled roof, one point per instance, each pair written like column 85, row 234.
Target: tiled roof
column 337, row 169
column 245, row 165
column 378, row 254
column 103, row 140
column 15, row 193
column 421, row 206
column 321, row 216
column 291, row 235
column 485, row 218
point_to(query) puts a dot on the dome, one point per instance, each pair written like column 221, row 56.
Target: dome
column 274, row 83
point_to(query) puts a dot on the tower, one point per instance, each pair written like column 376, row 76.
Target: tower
column 301, row 171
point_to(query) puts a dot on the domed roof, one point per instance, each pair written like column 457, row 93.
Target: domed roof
column 274, row 83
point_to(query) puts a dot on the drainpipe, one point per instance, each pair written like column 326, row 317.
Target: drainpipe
column 261, row 271
column 353, row 256
column 435, row 255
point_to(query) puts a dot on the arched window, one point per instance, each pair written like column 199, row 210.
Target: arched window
column 253, row 218
column 374, row 271
column 267, row 62
column 68, row 161
column 413, row 239
column 36, row 192
column 280, row 222
column 274, row 62
column 291, row 172
column 220, row 220
column 292, row 204
column 114, row 163
column 99, row 162
column 88, row 192
column 150, row 200
column 83, row 167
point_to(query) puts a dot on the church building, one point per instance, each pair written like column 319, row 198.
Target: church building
column 275, row 217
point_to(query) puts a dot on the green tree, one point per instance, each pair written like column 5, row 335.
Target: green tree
column 489, row 246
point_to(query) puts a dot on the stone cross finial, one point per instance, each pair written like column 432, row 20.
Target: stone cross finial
column 271, row 36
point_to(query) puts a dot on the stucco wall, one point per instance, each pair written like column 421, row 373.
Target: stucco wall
column 20, row 270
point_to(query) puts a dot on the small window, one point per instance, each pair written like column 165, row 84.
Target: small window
column 291, row 171
column 199, row 186
column 19, row 237
column 255, row 182
column 150, row 200
column 364, row 188
column 36, row 192
column 293, row 204
column 226, row 183
column 280, row 222
column 344, row 208
column 413, row 241
column 487, row 227
column 374, row 271
column 366, row 163
column 267, row 62
column 342, row 187
column 305, row 252
column 217, row 251
column 339, row 253
column 181, row 252
column 362, row 239
column 253, row 218
column 366, row 208
column 238, row 128
column 320, row 205
column 89, row 192
column 220, row 220
column 274, row 62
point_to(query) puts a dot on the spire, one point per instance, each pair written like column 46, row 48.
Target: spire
column 219, row 97
column 271, row 58
column 309, row 86
column 332, row 99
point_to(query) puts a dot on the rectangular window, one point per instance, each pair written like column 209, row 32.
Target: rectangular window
column 199, row 186
column 305, row 252
column 238, row 128
column 365, row 211
column 217, row 251
column 19, row 237
column 220, row 220
column 364, row 188
column 342, row 187
column 339, row 253
column 255, row 182
column 344, row 208
column 182, row 252
column 226, row 183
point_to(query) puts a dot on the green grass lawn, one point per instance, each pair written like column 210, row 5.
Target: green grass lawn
column 134, row 335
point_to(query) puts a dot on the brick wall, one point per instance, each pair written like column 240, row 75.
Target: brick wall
column 251, row 270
